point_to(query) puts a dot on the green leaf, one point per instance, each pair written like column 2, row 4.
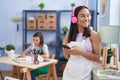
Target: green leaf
column 72, row 4
column 65, row 29
column 41, row 5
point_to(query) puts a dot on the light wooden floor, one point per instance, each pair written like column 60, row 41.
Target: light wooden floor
column 8, row 73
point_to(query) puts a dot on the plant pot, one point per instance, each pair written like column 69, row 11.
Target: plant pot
column 10, row 53
column 108, row 59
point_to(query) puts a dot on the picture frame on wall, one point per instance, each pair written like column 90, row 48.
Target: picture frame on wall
column 103, row 8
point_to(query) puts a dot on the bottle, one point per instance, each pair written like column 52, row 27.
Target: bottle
column 35, row 52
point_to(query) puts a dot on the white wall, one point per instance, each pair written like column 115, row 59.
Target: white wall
column 115, row 12
column 13, row 8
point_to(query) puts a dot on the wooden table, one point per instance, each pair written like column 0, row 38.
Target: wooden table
column 29, row 67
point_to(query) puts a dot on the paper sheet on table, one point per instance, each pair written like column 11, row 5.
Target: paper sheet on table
column 26, row 60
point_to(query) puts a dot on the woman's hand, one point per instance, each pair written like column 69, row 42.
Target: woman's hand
column 23, row 54
column 66, row 51
column 75, row 51
column 45, row 56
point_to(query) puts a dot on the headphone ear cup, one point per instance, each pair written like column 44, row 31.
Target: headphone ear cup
column 74, row 20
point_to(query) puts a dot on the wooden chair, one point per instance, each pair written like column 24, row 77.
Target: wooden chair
column 16, row 72
column 1, row 75
column 40, row 77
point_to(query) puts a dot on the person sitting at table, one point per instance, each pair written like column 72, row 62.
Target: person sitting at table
column 38, row 42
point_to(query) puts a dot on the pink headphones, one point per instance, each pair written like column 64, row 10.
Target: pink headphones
column 74, row 18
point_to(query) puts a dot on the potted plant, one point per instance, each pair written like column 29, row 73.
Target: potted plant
column 41, row 5
column 72, row 5
column 17, row 19
column 10, row 50
column 109, row 55
column 65, row 29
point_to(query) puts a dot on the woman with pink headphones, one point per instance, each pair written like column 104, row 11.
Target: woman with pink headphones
column 84, row 45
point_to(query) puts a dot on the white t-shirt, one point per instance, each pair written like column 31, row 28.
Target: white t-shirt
column 44, row 48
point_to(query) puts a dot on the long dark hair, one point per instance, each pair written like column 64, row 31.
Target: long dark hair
column 39, row 34
column 74, row 27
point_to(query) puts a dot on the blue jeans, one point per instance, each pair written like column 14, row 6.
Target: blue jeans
column 33, row 76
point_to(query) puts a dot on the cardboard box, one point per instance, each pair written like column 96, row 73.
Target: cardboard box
column 31, row 24
column 41, row 16
column 51, row 17
column 51, row 25
column 41, row 25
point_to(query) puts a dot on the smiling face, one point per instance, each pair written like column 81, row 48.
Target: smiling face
column 84, row 18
